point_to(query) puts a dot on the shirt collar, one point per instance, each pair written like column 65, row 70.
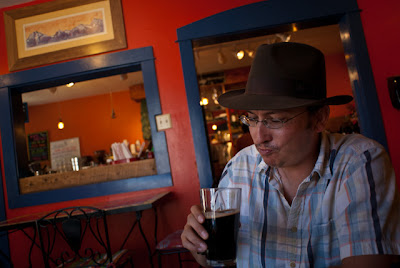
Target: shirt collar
column 321, row 167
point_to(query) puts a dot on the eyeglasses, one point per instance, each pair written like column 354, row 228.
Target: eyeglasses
column 272, row 123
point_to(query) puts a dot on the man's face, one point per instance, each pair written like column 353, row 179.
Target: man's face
column 289, row 145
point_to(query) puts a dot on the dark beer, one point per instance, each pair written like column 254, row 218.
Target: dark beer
column 222, row 228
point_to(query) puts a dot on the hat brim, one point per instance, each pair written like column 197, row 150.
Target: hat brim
column 239, row 100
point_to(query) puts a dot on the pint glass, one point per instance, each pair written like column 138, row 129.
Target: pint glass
column 221, row 208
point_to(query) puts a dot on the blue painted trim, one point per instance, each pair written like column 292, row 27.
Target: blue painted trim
column 93, row 190
column 78, row 70
column 366, row 97
column 151, row 88
column 266, row 15
column 3, row 235
column 196, row 116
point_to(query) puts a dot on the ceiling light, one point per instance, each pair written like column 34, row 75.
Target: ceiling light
column 60, row 124
column 204, row 102
column 284, row 37
column 123, row 77
column 71, row 84
column 221, row 58
column 239, row 54
column 53, row 90
column 250, row 53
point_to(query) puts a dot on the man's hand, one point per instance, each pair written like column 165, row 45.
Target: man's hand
column 194, row 234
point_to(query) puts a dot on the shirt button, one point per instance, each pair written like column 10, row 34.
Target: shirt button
column 292, row 264
column 294, row 229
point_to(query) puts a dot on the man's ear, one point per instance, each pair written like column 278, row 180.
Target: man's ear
column 321, row 118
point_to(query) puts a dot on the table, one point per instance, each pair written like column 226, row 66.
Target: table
column 135, row 203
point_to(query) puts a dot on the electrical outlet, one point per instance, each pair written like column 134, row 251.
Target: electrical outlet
column 163, row 121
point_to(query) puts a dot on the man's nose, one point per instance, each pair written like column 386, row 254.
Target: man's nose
column 260, row 133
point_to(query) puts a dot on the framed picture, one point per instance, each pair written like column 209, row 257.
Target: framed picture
column 62, row 29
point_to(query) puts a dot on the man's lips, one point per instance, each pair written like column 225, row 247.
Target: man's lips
column 265, row 150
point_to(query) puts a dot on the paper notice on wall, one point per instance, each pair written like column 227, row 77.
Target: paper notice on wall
column 120, row 151
column 61, row 153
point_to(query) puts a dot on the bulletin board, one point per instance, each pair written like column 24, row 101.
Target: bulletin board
column 38, row 146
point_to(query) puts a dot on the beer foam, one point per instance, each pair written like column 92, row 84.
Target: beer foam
column 219, row 214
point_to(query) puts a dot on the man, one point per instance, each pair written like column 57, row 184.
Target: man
column 309, row 198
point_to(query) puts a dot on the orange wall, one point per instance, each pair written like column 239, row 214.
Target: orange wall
column 89, row 119
column 154, row 23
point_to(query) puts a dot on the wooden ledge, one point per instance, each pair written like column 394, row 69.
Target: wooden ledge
column 141, row 168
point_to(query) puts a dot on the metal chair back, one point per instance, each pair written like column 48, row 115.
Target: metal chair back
column 74, row 236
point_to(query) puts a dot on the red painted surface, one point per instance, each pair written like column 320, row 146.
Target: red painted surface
column 158, row 29
column 380, row 21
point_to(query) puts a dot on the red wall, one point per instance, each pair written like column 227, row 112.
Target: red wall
column 380, row 20
column 154, row 23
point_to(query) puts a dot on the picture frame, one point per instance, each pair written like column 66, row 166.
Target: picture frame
column 61, row 30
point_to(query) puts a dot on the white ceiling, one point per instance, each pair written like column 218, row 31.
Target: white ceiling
column 326, row 38
column 83, row 89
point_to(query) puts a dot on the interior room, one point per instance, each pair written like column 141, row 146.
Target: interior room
column 152, row 91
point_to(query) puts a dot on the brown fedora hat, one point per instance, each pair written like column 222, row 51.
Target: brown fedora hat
column 283, row 76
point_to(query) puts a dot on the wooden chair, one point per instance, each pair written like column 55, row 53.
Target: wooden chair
column 172, row 244
column 78, row 237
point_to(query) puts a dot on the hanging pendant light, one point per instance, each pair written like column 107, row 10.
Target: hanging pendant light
column 60, row 124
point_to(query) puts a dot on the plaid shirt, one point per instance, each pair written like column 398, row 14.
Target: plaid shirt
column 348, row 206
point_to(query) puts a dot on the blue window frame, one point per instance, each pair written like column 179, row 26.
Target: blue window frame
column 267, row 16
column 79, row 70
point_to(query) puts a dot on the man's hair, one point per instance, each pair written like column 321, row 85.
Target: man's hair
column 313, row 112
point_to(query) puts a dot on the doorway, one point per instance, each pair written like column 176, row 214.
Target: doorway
column 268, row 18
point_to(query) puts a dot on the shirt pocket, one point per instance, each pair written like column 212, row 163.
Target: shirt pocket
column 324, row 245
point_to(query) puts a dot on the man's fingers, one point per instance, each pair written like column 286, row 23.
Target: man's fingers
column 194, row 234
column 192, row 241
column 197, row 213
column 195, row 220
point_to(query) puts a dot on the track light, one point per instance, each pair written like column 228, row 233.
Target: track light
column 284, row 37
column 250, row 53
column 221, row 58
column 239, row 54
column 123, row 77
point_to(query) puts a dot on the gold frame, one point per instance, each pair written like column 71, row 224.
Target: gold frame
column 17, row 22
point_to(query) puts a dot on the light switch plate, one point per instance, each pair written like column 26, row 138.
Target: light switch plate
column 163, row 121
